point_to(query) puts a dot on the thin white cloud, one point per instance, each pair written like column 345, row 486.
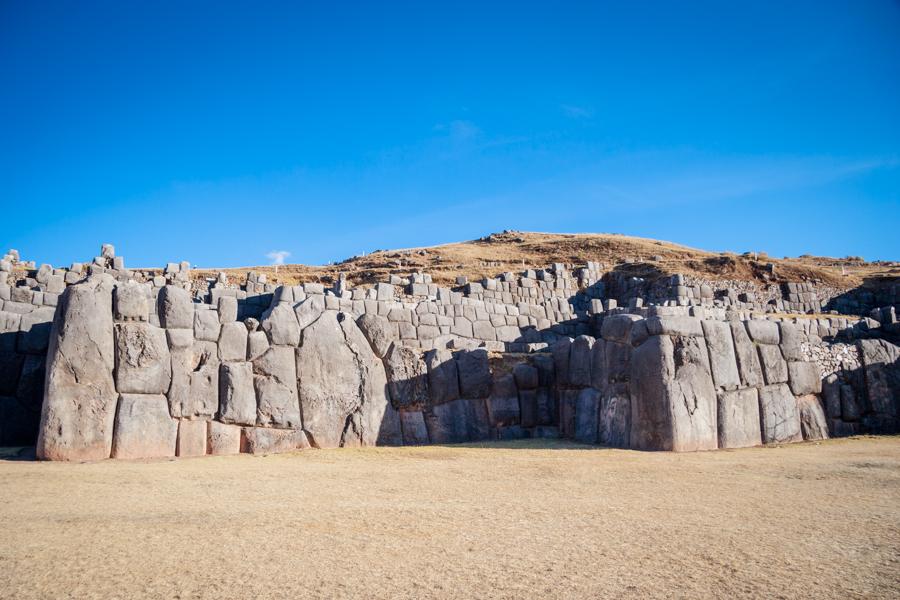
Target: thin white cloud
column 277, row 256
column 576, row 112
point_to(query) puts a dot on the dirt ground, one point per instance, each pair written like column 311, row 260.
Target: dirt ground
column 519, row 520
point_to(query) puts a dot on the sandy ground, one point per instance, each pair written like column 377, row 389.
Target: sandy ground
column 513, row 521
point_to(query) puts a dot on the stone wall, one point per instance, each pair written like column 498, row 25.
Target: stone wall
column 149, row 364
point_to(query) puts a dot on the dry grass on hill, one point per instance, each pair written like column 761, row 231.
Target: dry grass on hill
column 515, row 251
column 521, row 520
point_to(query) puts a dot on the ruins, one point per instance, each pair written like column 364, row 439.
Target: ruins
column 98, row 361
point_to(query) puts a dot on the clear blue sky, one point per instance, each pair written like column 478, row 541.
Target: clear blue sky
column 219, row 132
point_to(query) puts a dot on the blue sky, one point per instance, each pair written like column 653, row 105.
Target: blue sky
column 220, row 132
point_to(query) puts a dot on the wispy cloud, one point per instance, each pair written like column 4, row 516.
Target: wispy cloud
column 277, row 256
column 576, row 112
column 459, row 130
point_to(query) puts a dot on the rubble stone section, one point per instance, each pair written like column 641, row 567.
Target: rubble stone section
column 263, row 368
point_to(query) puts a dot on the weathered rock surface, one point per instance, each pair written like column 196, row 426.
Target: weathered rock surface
column 191, row 438
column 280, row 324
column 615, row 417
column 779, row 416
column 443, row 380
column 275, row 381
column 144, row 428
column 265, row 440
column 804, row 378
column 194, row 391
column 143, row 364
column 237, row 396
column 587, row 407
column 223, row 439
column 176, row 311
column 813, row 423
column 738, row 425
column 474, row 372
column 722, row 359
column 80, row 404
column 407, row 378
column 329, row 380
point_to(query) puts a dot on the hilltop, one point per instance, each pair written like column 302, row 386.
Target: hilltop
column 516, row 251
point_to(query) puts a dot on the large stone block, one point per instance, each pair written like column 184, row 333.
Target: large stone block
column 223, row 439
column 779, row 415
column 144, row 428
column 132, row 301
column 763, row 332
column 443, row 380
column 407, row 378
column 143, row 363
column 813, row 424
column 237, row 396
column 412, row 423
column 280, row 324
column 587, row 408
column 194, row 391
column 308, row 311
column 673, row 396
column 191, row 438
column 747, row 357
column 330, row 379
column 790, row 341
column 264, row 440
column 722, row 360
column 233, row 342
column 275, row 381
column 580, row 361
column 474, row 372
column 617, row 328
column 773, row 364
column 881, row 360
column 526, row 376
column 446, row 423
column 34, row 330
column 176, row 311
column 206, row 325
column 674, row 325
column 739, row 419
column 80, row 405
column 614, row 420
column 804, row 378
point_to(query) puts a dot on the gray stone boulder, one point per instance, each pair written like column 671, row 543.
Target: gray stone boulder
column 308, row 311
column 617, row 328
column 143, row 364
column 580, row 361
column 280, row 324
column 80, row 402
column 412, row 423
column 34, row 330
column 526, row 376
column 191, row 438
column 779, row 415
column 275, row 381
column 673, row 396
column 265, row 440
column 233, row 342
column 560, row 351
column 446, row 423
column 329, row 380
column 614, row 419
column 206, row 324
column 228, row 309
column 378, row 420
column 738, row 412
column 407, row 378
column 223, row 439
column 881, row 361
column 813, row 424
column 378, row 331
column 722, row 359
column 443, row 380
column 474, row 371
column 132, row 301
column 194, row 391
column 763, row 332
column 746, row 355
column 176, row 311
column 790, row 341
column 144, row 428
column 237, row 396
column 675, row 325
column 587, row 408
column 773, row 364
column 503, row 404
column 804, row 378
